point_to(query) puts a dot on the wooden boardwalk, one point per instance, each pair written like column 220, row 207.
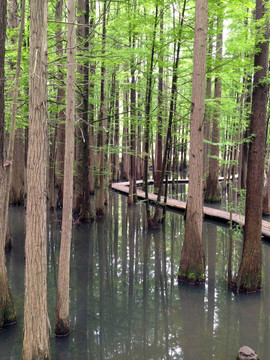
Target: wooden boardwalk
column 211, row 213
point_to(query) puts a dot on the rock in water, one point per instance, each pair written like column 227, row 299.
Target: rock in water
column 246, row 353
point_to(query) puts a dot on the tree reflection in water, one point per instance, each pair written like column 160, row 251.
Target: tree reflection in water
column 125, row 302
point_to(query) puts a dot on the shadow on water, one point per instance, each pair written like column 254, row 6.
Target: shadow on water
column 125, row 302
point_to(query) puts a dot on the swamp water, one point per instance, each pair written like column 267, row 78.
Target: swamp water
column 125, row 302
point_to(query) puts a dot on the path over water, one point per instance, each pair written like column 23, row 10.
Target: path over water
column 215, row 214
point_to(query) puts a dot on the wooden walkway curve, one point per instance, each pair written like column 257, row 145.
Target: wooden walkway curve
column 215, row 214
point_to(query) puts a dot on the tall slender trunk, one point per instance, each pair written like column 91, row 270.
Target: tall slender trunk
column 62, row 326
column 3, row 10
column 10, row 153
column 173, row 96
column 160, row 118
column 147, row 120
column 192, row 263
column 16, row 194
column 266, row 197
column 132, row 197
column 82, row 194
column 7, row 311
column 244, row 147
column 212, row 191
column 100, row 209
column 125, row 139
column 91, row 104
column 115, row 110
column 250, row 272
column 207, row 116
column 36, row 322
column 60, row 116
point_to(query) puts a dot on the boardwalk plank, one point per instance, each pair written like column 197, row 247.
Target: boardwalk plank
column 216, row 214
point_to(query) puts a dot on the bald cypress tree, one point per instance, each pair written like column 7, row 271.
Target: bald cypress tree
column 36, row 323
column 250, row 271
column 192, row 263
column 7, row 312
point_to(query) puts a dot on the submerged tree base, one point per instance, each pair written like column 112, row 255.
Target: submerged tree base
column 7, row 322
column 212, row 198
column 7, row 314
column 11, row 321
column 100, row 213
column 244, row 287
column 191, row 277
column 62, row 328
column 152, row 224
column 8, row 245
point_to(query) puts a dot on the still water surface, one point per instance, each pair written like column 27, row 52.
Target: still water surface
column 125, row 301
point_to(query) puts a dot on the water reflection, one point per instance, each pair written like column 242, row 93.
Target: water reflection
column 125, row 302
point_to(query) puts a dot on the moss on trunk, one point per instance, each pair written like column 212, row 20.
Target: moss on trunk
column 191, row 276
column 7, row 314
column 250, row 282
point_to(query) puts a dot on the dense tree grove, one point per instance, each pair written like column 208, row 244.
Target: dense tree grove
column 119, row 91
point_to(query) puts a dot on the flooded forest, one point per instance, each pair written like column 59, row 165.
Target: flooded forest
column 134, row 179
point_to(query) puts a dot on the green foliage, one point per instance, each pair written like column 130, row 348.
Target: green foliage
column 192, row 276
column 129, row 37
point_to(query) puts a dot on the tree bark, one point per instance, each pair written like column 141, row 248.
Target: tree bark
column 100, row 209
column 148, row 101
column 132, row 196
column 7, row 311
column 266, row 197
column 60, row 116
column 160, row 117
column 82, row 193
column 192, row 263
column 62, row 326
column 173, row 97
column 212, row 191
column 16, row 196
column 207, row 115
column 3, row 10
column 10, row 152
column 36, row 322
column 125, row 142
column 91, row 105
column 115, row 115
column 250, row 272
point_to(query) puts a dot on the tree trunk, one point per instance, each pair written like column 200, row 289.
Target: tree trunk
column 91, row 105
column 148, row 101
column 139, row 146
column 125, row 143
column 132, row 196
column 160, row 118
column 82, row 194
column 192, row 263
column 16, row 196
column 212, row 191
column 60, row 116
column 250, row 271
column 173, row 97
column 62, row 326
column 115, row 110
column 3, row 10
column 207, row 115
column 266, row 197
column 36, row 322
column 10, row 153
column 7, row 311
column 100, row 209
